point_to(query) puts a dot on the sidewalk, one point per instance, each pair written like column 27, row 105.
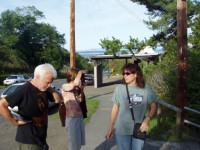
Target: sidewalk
column 96, row 129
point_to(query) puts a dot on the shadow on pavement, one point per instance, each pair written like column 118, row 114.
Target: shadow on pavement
column 111, row 83
column 106, row 144
column 99, row 95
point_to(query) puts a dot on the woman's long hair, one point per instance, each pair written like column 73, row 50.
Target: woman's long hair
column 71, row 75
column 136, row 69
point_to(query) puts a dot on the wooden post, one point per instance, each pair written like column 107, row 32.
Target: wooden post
column 178, row 123
column 158, row 114
column 182, row 92
column 72, row 34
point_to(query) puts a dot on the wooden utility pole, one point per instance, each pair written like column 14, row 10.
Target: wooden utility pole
column 182, row 92
column 72, row 35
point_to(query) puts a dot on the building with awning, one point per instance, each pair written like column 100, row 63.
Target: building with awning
column 147, row 54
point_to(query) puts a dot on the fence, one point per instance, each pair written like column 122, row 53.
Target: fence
column 189, row 122
column 178, row 115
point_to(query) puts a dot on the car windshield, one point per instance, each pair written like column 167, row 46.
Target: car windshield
column 11, row 89
column 12, row 77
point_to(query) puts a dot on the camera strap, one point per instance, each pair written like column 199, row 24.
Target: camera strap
column 130, row 104
column 76, row 96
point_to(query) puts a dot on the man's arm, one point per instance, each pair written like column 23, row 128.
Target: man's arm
column 56, row 95
column 5, row 112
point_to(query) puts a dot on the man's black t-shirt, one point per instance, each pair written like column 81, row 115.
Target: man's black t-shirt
column 32, row 104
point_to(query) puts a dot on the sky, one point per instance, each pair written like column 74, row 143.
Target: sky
column 94, row 19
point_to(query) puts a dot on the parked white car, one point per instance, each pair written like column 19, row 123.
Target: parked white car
column 14, row 79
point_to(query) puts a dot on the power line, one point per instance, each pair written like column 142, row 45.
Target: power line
column 129, row 11
column 91, row 14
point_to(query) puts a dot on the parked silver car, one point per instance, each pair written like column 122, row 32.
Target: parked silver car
column 14, row 79
column 10, row 89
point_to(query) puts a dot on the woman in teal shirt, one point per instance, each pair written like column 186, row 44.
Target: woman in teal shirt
column 141, row 96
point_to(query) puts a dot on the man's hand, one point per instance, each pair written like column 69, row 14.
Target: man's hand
column 19, row 123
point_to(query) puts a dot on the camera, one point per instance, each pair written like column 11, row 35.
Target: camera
column 83, row 79
column 87, row 79
column 77, row 91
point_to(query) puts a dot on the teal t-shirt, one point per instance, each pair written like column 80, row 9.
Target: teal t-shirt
column 140, row 99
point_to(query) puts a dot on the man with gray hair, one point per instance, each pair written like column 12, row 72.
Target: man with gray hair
column 32, row 101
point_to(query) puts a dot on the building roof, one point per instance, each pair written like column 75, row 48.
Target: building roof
column 147, row 50
column 144, row 57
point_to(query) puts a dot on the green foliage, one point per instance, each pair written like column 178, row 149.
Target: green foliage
column 82, row 63
column 194, row 79
column 195, row 28
column 26, row 43
column 163, row 19
column 112, row 46
column 9, row 61
column 134, row 45
column 163, row 75
column 29, row 43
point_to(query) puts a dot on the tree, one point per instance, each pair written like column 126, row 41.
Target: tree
column 32, row 42
column 82, row 63
column 134, row 45
column 195, row 29
column 9, row 61
column 162, row 76
column 112, row 46
column 163, row 17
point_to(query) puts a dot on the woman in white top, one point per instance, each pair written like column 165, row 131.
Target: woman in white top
column 73, row 95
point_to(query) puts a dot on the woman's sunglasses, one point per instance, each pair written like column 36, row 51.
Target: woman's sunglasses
column 127, row 73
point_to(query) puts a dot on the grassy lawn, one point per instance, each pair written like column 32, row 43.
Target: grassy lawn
column 92, row 106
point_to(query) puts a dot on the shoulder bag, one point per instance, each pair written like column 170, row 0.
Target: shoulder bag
column 62, row 113
column 136, row 131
